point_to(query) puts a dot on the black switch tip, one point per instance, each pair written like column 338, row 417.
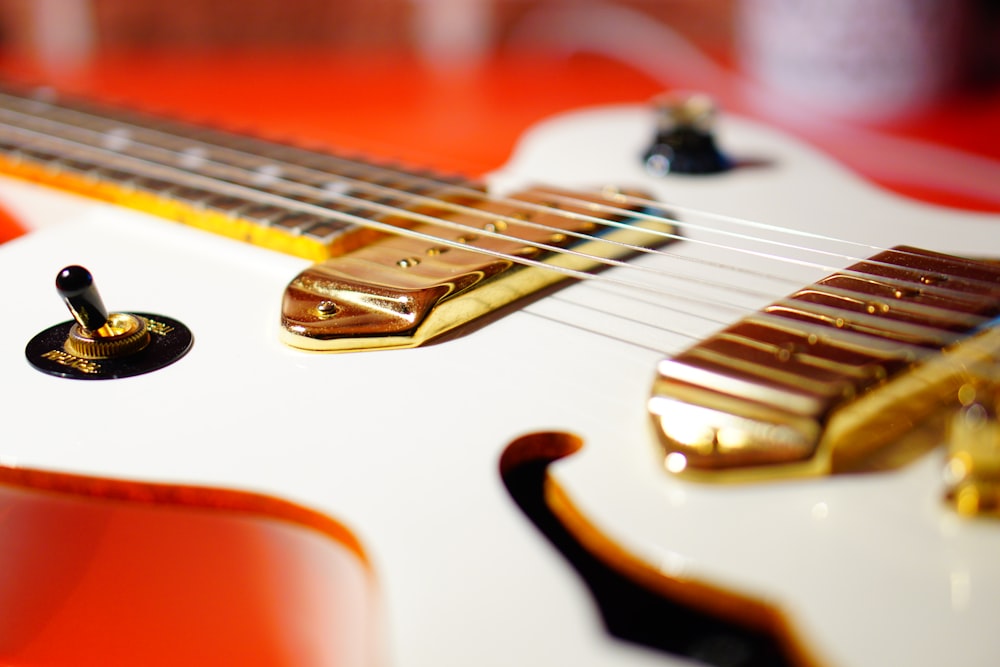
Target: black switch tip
column 76, row 287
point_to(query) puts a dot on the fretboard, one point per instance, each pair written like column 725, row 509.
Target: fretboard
column 286, row 198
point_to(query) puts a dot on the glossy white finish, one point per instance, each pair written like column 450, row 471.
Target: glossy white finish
column 403, row 446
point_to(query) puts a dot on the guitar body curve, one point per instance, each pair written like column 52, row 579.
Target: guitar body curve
column 403, row 446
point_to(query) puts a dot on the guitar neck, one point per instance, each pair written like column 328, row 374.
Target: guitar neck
column 307, row 203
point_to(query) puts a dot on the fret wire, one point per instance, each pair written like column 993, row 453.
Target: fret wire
column 143, row 123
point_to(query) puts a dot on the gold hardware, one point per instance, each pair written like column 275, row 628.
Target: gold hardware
column 809, row 389
column 326, row 309
column 381, row 305
column 972, row 470
column 122, row 335
column 126, row 344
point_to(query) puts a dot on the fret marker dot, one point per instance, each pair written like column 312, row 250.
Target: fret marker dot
column 193, row 157
column 336, row 187
column 266, row 174
column 117, row 139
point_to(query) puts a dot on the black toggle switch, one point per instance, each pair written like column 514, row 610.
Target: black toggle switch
column 100, row 345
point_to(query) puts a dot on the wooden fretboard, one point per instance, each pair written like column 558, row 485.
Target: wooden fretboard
column 287, row 198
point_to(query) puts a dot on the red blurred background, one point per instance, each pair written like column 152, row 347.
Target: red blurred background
column 452, row 83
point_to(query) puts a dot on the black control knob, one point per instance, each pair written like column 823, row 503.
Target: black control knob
column 684, row 142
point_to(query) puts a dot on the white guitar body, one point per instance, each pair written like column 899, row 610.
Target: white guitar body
column 403, row 446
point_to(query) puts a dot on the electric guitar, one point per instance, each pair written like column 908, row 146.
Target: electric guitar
column 773, row 461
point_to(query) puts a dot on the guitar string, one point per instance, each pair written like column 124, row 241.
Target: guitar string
column 673, row 291
column 118, row 157
column 658, row 348
column 142, row 124
column 47, row 138
column 245, row 191
column 142, row 120
column 485, row 214
column 295, row 183
column 624, row 212
column 987, row 284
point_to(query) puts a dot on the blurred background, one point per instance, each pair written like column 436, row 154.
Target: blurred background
column 67, row 29
column 451, row 83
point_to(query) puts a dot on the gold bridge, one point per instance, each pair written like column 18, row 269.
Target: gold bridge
column 826, row 379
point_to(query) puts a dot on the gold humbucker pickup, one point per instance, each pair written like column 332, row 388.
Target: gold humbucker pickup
column 825, row 379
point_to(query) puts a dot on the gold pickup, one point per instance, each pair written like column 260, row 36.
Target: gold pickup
column 824, row 380
column 462, row 264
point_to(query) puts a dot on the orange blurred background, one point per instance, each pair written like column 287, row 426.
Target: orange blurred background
column 452, row 83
